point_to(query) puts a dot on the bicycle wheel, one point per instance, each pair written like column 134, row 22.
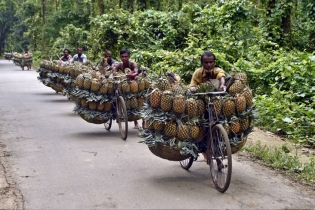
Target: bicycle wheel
column 220, row 158
column 122, row 117
column 186, row 164
column 108, row 124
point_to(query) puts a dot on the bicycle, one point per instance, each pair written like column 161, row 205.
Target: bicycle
column 217, row 148
column 119, row 110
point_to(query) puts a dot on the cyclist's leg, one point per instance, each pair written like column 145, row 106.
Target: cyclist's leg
column 136, row 124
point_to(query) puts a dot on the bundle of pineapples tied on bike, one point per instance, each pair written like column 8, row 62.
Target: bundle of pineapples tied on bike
column 133, row 92
column 95, row 95
column 175, row 118
column 60, row 76
column 7, row 56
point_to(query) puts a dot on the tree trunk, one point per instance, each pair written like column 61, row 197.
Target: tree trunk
column 101, row 6
column 286, row 19
column 44, row 8
column 120, row 4
column 130, row 5
column 142, row 5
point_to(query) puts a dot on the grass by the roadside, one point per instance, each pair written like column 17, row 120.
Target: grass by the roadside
column 278, row 158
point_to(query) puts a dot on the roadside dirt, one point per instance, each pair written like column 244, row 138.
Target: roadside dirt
column 272, row 140
column 10, row 196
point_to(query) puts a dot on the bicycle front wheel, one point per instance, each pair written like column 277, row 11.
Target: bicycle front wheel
column 187, row 163
column 108, row 124
column 122, row 117
column 220, row 158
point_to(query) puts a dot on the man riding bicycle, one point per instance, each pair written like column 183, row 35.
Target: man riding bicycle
column 207, row 72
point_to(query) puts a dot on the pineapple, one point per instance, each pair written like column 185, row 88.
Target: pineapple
column 194, row 132
column 226, row 128
column 141, row 84
column 147, row 83
column 228, row 106
column 100, row 107
column 72, row 71
column 235, row 125
column 179, row 104
column 183, row 132
column 179, row 89
column 95, row 85
column 93, row 73
column 103, row 87
column 158, row 125
column 110, row 87
column 242, row 77
column 236, row 87
column 244, row 124
column 170, row 129
column 217, row 105
column 134, row 86
column 73, row 84
column 191, row 108
column 133, row 102
column 166, row 101
column 201, row 134
column 155, row 98
column 92, row 105
column 127, row 103
column 84, row 102
column 141, row 101
column 163, row 84
column 78, row 71
column 200, row 107
column 125, row 87
column 240, row 103
column 87, row 81
column 150, row 125
column 247, row 93
column 107, row 106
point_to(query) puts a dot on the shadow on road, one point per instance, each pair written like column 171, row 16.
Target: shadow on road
column 64, row 100
column 104, row 135
column 47, row 94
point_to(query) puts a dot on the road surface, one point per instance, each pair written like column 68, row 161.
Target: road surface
column 59, row 161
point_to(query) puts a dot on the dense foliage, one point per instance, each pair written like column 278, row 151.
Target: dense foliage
column 271, row 41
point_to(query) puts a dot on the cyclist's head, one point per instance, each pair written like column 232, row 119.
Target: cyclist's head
column 207, row 61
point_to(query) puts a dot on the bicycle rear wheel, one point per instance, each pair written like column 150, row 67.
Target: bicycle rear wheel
column 186, row 164
column 220, row 158
column 122, row 117
column 108, row 124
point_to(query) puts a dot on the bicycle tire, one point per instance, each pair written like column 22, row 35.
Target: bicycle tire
column 108, row 124
column 220, row 158
column 187, row 163
column 122, row 117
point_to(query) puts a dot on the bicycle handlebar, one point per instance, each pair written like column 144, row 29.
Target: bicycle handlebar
column 210, row 93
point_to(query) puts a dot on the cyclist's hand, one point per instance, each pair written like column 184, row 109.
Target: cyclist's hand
column 193, row 89
column 223, row 88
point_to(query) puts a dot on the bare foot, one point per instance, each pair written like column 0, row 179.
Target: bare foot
column 205, row 157
column 136, row 126
column 144, row 126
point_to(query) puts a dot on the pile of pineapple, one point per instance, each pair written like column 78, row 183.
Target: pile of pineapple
column 133, row 92
column 176, row 119
column 7, row 56
column 20, row 59
column 60, row 76
column 94, row 95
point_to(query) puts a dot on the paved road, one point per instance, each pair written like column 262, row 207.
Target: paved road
column 59, row 161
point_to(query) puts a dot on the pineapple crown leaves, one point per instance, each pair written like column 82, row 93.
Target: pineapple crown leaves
column 190, row 149
column 92, row 114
